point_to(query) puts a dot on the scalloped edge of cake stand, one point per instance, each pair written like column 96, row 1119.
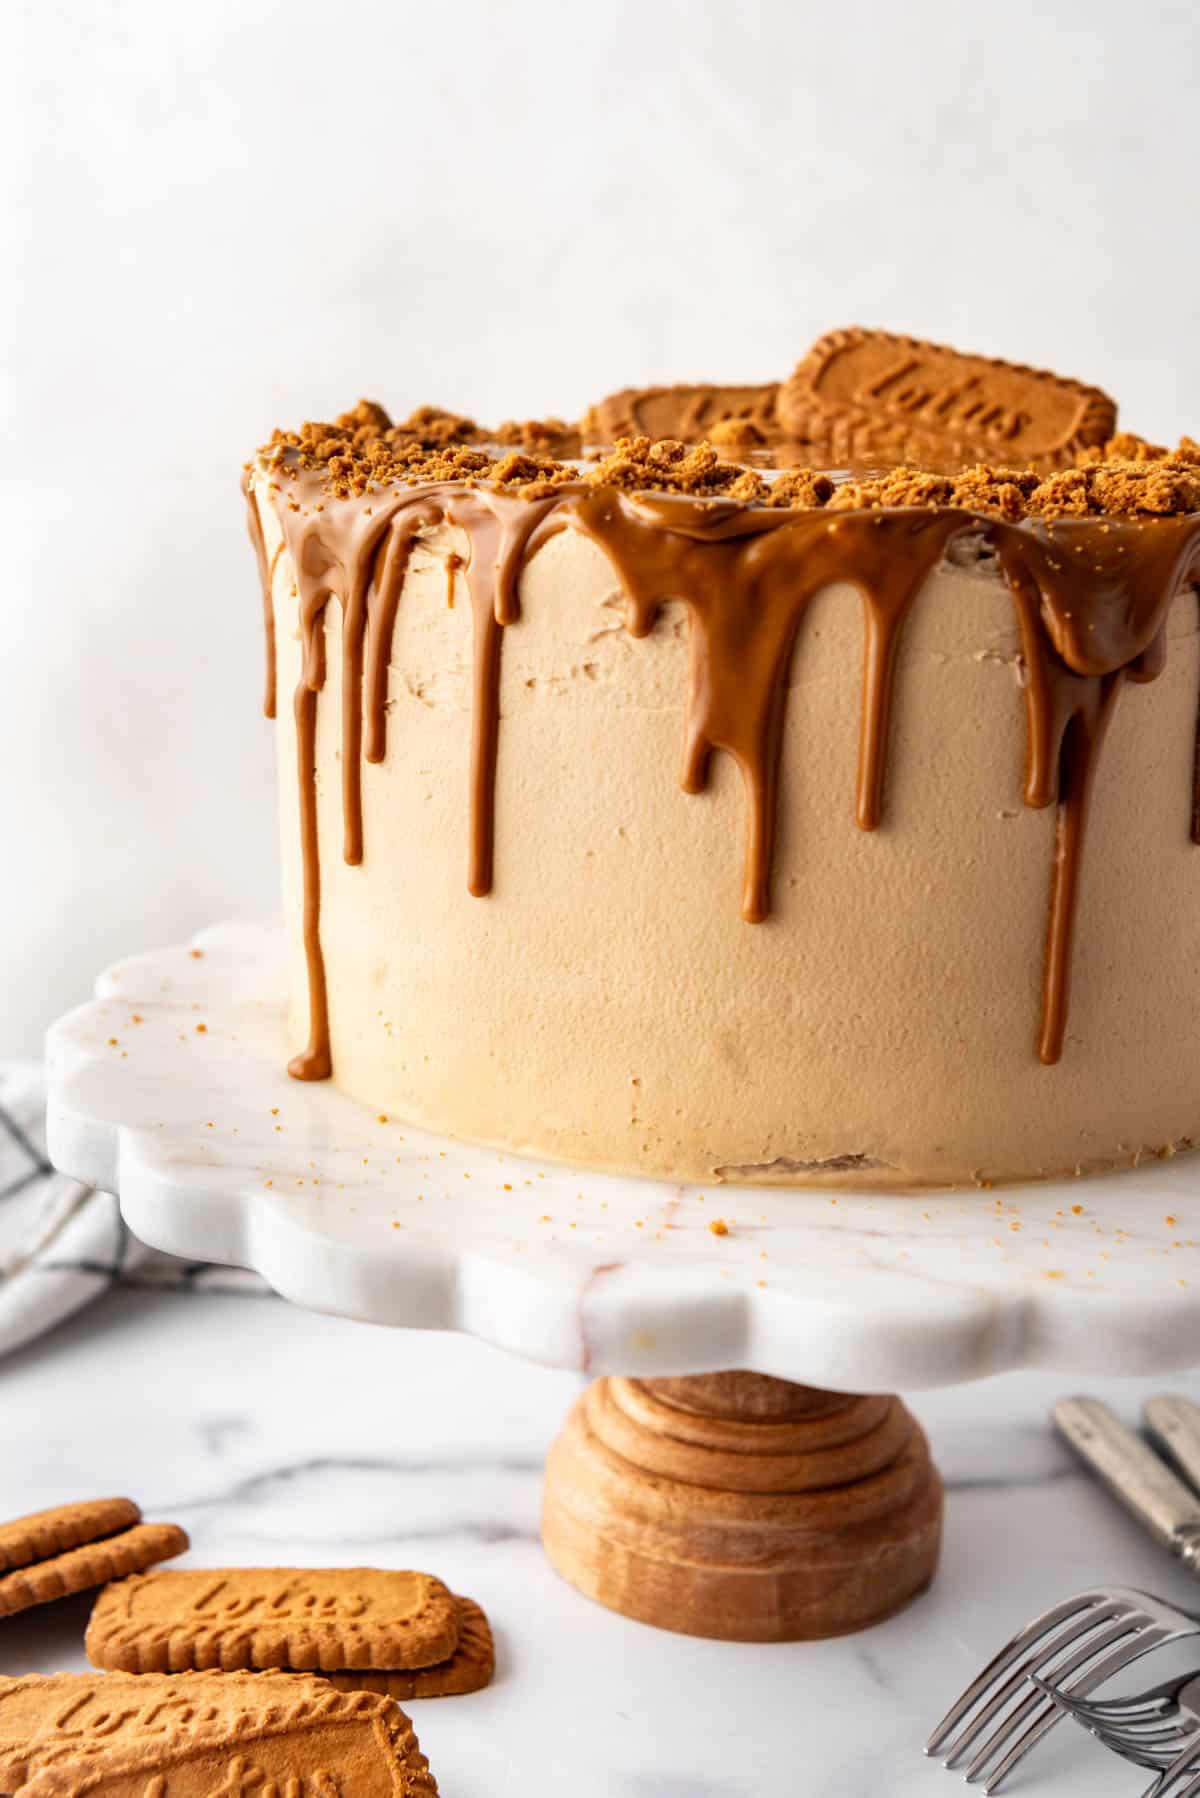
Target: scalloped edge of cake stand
column 169, row 1088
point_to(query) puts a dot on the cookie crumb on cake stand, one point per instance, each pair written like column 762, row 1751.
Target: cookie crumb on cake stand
column 731, row 1504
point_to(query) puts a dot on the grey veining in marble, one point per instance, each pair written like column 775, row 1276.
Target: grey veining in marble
column 275, row 1436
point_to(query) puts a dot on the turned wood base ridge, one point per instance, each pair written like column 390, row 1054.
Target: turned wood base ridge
column 741, row 1507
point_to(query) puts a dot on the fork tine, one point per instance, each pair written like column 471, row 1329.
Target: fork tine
column 1185, row 1763
column 1155, row 1755
column 1152, row 1716
column 1149, row 1732
column 1174, row 1736
column 993, row 1700
column 1112, row 1712
column 1129, row 1648
column 1024, row 1639
column 1101, row 1632
column 1171, row 1732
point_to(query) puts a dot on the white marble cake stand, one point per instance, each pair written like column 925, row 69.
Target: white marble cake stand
column 169, row 1088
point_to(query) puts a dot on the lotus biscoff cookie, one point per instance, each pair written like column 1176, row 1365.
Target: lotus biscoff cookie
column 129, row 1552
column 290, row 1617
column 56, row 1531
column 860, row 395
column 468, row 1669
column 684, row 412
column 189, row 1735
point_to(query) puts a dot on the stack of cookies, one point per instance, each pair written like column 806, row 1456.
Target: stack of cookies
column 71, row 1548
column 367, row 1629
column 209, row 1677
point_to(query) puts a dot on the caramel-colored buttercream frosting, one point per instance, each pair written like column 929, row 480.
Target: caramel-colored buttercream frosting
column 926, row 909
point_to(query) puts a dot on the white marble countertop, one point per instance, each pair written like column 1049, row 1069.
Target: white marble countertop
column 280, row 1437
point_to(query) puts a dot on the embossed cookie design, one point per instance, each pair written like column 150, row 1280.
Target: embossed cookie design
column 687, row 413
column 203, row 1735
column 297, row 1618
column 863, row 395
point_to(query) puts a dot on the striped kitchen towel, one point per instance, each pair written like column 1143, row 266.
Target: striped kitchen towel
column 63, row 1243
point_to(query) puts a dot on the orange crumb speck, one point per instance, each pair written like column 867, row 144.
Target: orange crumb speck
column 719, row 1227
column 112, row 1042
column 209, row 1126
column 1077, row 1211
column 546, row 1219
column 395, row 1224
column 508, row 1186
column 196, row 954
column 1170, row 1220
column 1055, row 1273
column 269, row 1183
column 382, row 1118
column 136, row 1018
column 1014, row 1225
column 201, row 1029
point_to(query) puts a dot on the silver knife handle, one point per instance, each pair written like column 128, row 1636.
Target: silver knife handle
column 1173, row 1424
column 1142, row 1482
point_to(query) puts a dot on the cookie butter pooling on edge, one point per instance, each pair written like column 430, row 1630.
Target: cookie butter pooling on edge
column 1093, row 557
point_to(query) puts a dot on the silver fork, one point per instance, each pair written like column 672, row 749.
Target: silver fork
column 1154, row 1728
column 1171, row 1781
column 1076, row 1646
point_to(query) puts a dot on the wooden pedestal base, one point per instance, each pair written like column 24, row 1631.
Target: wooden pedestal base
column 741, row 1507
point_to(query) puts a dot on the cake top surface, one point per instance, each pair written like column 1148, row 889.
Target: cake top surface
column 362, row 451
column 867, row 421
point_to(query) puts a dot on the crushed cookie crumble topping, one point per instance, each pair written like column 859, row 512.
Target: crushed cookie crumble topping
column 362, row 451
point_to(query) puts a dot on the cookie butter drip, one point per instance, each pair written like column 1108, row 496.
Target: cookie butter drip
column 500, row 533
column 453, row 564
column 746, row 578
column 359, row 557
column 1091, row 594
column 1092, row 598
column 266, row 574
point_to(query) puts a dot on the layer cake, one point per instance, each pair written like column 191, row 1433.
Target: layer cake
column 864, row 944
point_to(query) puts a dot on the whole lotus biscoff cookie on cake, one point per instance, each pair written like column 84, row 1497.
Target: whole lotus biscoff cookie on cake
column 868, row 942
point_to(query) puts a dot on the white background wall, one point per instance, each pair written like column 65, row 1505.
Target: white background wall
column 219, row 216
